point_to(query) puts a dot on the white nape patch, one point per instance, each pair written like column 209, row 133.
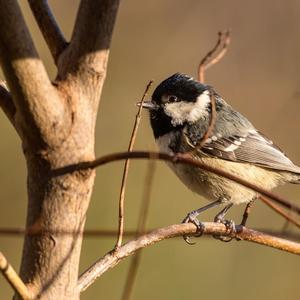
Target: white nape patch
column 191, row 112
column 232, row 147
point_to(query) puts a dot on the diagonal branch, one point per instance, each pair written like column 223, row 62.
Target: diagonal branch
column 13, row 279
column 49, row 27
column 39, row 107
column 112, row 258
column 280, row 211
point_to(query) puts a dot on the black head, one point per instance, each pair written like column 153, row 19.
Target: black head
column 176, row 101
column 185, row 88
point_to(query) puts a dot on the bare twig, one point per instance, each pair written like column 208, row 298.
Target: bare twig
column 141, row 229
column 210, row 128
column 178, row 158
column 107, row 233
column 48, row 26
column 209, row 60
column 207, row 57
column 112, row 258
column 13, row 278
column 126, row 167
column 280, row 211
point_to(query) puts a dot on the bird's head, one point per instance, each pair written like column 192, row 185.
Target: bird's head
column 176, row 101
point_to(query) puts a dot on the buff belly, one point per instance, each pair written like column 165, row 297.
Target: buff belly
column 215, row 187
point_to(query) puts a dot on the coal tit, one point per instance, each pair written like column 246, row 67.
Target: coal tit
column 180, row 111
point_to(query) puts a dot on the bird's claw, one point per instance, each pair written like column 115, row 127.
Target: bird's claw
column 230, row 230
column 190, row 218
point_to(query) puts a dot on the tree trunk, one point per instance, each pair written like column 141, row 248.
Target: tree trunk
column 56, row 123
column 57, row 208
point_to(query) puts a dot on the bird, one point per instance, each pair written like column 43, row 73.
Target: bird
column 180, row 111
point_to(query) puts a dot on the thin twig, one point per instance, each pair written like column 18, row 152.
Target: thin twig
column 212, row 122
column 208, row 60
column 178, row 158
column 141, row 229
column 112, row 258
column 49, row 27
column 220, row 55
column 126, row 168
column 13, row 278
column 280, row 211
column 107, row 233
column 207, row 57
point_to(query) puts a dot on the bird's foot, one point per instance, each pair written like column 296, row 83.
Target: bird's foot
column 230, row 230
column 192, row 218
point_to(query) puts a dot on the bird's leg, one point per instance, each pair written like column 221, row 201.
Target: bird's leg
column 247, row 212
column 192, row 218
column 230, row 225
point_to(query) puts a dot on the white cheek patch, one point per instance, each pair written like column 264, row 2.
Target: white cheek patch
column 182, row 111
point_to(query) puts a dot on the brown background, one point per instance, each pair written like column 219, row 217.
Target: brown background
column 259, row 76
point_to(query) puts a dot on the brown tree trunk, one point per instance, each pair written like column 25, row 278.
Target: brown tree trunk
column 57, row 205
column 56, row 124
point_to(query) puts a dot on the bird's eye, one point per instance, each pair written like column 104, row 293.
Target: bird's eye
column 172, row 99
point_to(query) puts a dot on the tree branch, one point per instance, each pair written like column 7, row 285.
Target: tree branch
column 280, row 211
column 93, row 25
column 141, row 229
column 213, row 57
column 126, row 167
column 49, row 27
column 40, row 110
column 178, row 158
column 13, row 279
column 211, row 126
column 107, row 233
column 112, row 258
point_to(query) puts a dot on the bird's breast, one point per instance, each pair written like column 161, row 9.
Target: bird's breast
column 165, row 141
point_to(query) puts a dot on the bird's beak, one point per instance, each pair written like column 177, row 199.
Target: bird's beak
column 148, row 105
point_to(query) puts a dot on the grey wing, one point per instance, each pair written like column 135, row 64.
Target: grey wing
column 251, row 147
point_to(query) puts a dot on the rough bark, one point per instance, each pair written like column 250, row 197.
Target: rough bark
column 56, row 124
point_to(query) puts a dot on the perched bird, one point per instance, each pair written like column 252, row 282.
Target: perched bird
column 180, row 112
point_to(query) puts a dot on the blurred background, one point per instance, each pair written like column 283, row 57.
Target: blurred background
column 259, row 76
